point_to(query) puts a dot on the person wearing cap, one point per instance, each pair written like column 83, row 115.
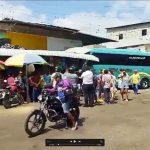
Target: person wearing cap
column 135, row 79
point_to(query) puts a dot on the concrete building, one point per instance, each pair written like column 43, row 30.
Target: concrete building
column 44, row 37
column 130, row 36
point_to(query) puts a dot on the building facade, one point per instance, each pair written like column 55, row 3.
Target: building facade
column 44, row 37
column 131, row 36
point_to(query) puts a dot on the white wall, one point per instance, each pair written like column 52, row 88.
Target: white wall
column 131, row 32
column 60, row 44
column 140, row 47
column 147, row 47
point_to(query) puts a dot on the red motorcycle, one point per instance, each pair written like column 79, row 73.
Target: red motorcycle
column 11, row 97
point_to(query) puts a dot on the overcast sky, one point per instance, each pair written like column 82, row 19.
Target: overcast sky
column 90, row 17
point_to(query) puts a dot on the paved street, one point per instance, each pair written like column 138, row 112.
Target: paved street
column 125, row 126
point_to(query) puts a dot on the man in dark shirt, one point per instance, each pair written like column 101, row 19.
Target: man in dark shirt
column 35, row 83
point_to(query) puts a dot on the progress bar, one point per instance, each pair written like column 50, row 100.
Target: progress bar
column 75, row 142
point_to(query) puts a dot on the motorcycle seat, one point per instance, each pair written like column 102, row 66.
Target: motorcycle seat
column 8, row 87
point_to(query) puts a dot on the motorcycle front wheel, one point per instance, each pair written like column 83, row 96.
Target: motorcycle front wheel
column 35, row 123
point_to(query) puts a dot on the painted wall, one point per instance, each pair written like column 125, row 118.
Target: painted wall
column 60, row 44
column 132, row 36
column 147, row 47
column 28, row 41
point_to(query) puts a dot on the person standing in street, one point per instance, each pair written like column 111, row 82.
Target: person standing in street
column 135, row 79
column 73, row 78
column 113, row 89
column 46, row 79
column 88, row 88
column 100, row 93
column 35, row 82
column 124, row 86
column 57, row 71
column 22, row 81
column 119, row 79
column 106, row 82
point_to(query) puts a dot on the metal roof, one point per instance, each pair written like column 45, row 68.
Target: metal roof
column 135, row 24
column 120, row 51
column 36, row 24
column 86, row 39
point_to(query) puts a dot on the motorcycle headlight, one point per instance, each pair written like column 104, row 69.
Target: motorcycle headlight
column 40, row 97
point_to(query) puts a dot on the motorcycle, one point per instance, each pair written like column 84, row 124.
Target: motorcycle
column 10, row 97
column 50, row 109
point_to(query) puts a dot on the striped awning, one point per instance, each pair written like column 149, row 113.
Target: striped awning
column 11, row 52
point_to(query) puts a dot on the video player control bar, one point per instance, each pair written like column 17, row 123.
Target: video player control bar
column 75, row 142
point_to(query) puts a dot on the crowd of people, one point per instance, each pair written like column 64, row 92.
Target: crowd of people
column 108, row 85
column 99, row 88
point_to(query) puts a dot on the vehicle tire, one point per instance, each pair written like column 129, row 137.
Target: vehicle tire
column 20, row 99
column 6, row 103
column 36, row 122
column 145, row 83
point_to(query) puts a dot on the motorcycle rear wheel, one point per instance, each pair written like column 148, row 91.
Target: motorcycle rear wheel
column 36, row 122
column 6, row 103
column 20, row 99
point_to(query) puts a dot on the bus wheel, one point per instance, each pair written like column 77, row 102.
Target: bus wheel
column 145, row 83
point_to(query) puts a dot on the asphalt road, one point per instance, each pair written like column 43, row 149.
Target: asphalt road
column 124, row 126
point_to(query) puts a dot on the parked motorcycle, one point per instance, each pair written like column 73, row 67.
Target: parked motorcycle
column 10, row 97
column 50, row 109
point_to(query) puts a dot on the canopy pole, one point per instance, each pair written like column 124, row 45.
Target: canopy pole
column 27, row 83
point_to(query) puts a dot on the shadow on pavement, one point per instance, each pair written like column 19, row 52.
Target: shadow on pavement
column 130, row 99
column 44, row 131
column 81, row 121
column 59, row 126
